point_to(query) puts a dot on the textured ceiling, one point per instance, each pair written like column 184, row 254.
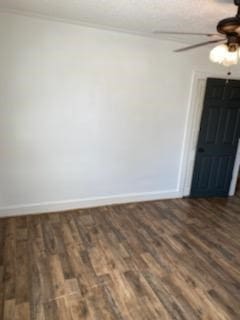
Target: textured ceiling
column 137, row 16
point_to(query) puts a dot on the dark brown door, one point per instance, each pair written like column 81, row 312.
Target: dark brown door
column 218, row 139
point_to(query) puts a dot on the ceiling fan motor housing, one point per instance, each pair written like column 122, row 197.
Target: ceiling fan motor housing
column 229, row 26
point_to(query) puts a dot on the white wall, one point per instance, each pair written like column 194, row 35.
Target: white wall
column 89, row 116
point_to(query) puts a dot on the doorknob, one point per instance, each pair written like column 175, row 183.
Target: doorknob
column 201, row 150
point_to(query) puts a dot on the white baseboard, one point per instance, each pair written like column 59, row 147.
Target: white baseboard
column 46, row 207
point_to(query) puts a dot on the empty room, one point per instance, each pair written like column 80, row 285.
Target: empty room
column 119, row 160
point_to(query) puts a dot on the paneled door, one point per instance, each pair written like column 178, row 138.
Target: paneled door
column 218, row 139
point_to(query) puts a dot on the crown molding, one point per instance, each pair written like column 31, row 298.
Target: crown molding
column 85, row 24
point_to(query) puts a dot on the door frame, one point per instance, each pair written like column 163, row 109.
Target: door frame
column 191, row 134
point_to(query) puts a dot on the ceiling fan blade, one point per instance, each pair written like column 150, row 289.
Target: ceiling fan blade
column 187, row 33
column 199, row 45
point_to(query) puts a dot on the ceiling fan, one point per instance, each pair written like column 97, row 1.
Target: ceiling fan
column 228, row 32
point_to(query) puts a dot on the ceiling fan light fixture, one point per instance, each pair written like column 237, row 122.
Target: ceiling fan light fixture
column 225, row 55
column 231, row 58
column 217, row 54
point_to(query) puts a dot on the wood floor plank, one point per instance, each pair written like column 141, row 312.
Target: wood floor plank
column 78, row 307
column 57, row 276
column 22, row 279
column 57, row 310
column 22, row 311
column 9, row 260
column 9, row 309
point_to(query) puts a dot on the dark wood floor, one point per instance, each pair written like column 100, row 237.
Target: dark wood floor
column 177, row 259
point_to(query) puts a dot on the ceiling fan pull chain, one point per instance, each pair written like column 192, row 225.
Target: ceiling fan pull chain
column 229, row 73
